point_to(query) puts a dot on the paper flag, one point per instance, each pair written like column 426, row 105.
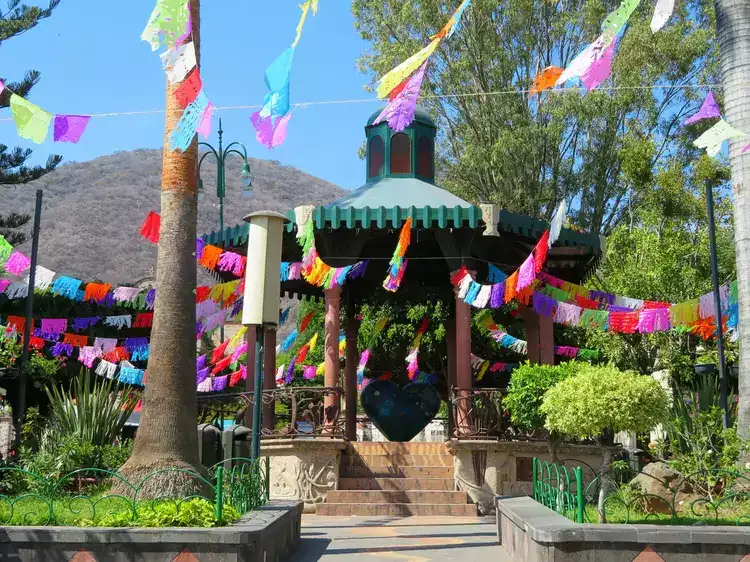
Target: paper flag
column 709, row 109
column 582, row 62
column 405, row 69
column 557, row 223
column 189, row 89
column 600, row 69
column 305, row 8
column 32, row 122
column 662, row 12
column 450, row 27
column 69, row 128
column 400, row 111
column 168, row 23
column 712, row 139
column 745, row 148
column 204, row 127
column 2, row 86
column 184, row 132
column 617, row 19
column 545, row 79
column 178, row 62
column 279, row 134
column 278, row 73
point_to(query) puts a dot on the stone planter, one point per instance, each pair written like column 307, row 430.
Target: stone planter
column 7, row 435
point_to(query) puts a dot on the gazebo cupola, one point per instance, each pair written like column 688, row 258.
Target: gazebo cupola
column 406, row 154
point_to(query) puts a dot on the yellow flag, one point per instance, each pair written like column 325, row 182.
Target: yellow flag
column 235, row 342
column 405, row 69
column 313, row 342
column 32, row 122
column 380, row 325
column 305, row 8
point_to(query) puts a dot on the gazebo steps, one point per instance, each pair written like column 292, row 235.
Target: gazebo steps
column 396, row 472
column 397, row 496
column 445, row 484
column 396, row 460
column 397, row 480
column 397, row 509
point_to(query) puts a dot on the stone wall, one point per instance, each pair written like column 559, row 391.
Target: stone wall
column 6, row 436
column 530, row 532
column 269, row 534
column 303, row 469
column 485, row 469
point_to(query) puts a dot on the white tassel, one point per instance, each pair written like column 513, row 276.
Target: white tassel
column 557, row 223
column 463, row 286
column 483, row 297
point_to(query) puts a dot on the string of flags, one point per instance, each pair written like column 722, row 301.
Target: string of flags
column 412, row 358
column 712, row 139
column 315, row 271
column 520, row 283
column 364, row 357
column 402, row 84
column 170, row 27
column 397, row 265
column 483, row 366
column 271, row 121
column 228, row 355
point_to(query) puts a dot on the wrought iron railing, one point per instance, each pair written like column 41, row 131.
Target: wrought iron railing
column 709, row 497
column 93, row 496
column 478, row 413
column 297, row 411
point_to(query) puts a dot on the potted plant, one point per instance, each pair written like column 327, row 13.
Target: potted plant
column 706, row 362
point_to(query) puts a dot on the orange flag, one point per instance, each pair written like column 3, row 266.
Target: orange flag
column 545, row 79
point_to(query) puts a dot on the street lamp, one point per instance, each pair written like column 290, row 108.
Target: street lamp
column 220, row 155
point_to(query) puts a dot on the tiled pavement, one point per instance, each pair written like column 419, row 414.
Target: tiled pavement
column 408, row 539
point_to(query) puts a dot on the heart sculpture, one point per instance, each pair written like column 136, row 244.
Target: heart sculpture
column 400, row 413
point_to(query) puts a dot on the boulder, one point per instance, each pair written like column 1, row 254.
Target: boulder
column 661, row 485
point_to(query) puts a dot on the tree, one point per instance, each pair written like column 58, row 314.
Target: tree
column 598, row 398
column 16, row 20
column 525, row 393
column 528, row 153
column 168, row 435
column 733, row 31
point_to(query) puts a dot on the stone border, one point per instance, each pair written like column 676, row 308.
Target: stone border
column 269, row 534
column 530, row 532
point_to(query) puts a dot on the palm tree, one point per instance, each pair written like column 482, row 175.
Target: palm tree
column 168, row 435
column 733, row 30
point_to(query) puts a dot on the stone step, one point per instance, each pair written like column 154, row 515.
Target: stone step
column 386, row 448
column 396, row 460
column 446, row 484
column 396, row 496
column 400, row 472
column 396, row 509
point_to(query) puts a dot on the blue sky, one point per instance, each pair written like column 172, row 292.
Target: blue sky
column 93, row 61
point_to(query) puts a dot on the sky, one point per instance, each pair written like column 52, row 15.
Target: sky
column 92, row 60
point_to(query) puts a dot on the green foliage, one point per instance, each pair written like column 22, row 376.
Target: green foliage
column 56, row 458
column 597, row 398
column 39, row 368
column 94, row 413
column 527, row 388
column 195, row 512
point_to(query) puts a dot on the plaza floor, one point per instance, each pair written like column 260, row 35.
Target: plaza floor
column 406, row 539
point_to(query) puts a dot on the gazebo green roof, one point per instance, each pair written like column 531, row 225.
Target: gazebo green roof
column 399, row 192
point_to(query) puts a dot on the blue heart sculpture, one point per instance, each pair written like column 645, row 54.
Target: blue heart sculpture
column 400, row 413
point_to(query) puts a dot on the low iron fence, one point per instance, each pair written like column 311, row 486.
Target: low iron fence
column 88, row 496
column 708, row 497
column 478, row 413
column 289, row 412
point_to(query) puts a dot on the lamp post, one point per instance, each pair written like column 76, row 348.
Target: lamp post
column 220, row 155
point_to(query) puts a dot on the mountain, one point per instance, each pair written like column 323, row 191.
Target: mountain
column 92, row 211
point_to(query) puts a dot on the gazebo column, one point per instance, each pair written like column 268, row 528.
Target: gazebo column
column 350, row 376
column 450, row 369
column 269, row 375
column 331, row 364
column 463, row 367
column 540, row 337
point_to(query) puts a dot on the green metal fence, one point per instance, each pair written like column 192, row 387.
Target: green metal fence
column 708, row 497
column 89, row 494
column 553, row 487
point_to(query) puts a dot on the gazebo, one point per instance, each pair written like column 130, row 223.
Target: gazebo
column 447, row 233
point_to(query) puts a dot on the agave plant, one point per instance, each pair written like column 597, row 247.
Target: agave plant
column 94, row 413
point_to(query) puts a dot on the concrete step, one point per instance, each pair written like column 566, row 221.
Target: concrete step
column 386, row 448
column 396, row 496
column 396, row 460
column 396, row 509
column 396, row 472
column 445, row 484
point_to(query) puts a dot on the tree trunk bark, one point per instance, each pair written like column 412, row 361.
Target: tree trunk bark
column 553, row 442
column 604, row 481
column 733, row 30
column 167, row 436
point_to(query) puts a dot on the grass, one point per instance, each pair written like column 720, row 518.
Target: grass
column 730, row 513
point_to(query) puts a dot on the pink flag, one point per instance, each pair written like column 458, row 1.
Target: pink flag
column 708, row 110
column 279, row 134
column 17, row 263
column 204, row 127
column 400, row 111
column 526, row 273
column 600, row 69
column 69, row 128
column 745, row 148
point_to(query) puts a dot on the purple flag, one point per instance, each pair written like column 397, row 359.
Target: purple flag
column 708, row 110
column 600, row 69
column 69, row 128
column 400, row 111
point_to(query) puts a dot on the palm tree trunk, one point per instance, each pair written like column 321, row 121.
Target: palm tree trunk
column 733, row 30
column 168, row 435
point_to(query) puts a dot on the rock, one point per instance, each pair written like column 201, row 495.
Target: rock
column 662, row 486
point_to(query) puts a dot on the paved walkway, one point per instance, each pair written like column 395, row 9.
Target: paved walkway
column 408, row 539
